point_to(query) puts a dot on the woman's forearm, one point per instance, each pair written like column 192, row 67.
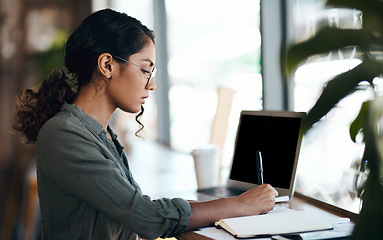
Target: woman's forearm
column 205, row 213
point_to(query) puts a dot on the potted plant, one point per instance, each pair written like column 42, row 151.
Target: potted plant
column 368, row 42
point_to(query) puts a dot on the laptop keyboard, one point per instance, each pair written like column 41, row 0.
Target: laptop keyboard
column 221, row 191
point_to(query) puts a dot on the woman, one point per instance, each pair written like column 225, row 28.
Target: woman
column 86, row 189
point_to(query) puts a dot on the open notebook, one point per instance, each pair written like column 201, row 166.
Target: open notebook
column 278, row 223
column 277, row 135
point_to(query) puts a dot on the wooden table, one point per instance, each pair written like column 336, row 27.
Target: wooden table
column 163, row 172
column 298, row 202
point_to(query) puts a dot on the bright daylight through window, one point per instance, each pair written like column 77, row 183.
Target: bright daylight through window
column 211, row 46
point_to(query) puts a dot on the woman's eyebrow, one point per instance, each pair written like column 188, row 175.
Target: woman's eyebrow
column 148, row 60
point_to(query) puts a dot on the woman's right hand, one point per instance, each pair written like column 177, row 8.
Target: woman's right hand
column 258, row 200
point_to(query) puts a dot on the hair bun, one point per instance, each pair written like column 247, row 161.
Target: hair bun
column 64, row 74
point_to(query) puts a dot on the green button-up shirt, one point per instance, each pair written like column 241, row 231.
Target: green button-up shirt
column 87, row 191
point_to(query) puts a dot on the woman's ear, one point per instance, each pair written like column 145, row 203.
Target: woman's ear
column 105, row 65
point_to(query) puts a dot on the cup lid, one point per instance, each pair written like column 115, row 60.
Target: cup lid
column 205, row 149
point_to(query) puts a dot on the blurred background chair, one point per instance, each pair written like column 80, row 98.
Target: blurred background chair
column 221, row 121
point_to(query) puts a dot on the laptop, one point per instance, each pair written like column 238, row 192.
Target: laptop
column 277, row 135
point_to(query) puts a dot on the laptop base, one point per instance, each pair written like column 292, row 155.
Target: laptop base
column 226, row 191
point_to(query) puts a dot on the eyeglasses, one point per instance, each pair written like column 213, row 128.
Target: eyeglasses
column 151, row 73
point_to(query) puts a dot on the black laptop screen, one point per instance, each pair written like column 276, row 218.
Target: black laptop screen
column 277, row 138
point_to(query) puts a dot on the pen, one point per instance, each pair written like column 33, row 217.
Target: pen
column 259, row 167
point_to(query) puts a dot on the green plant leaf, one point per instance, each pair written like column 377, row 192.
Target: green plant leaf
column 369, row 221
column 338, row 88
column 359, row 122
column 326, row 40
column 375, row 125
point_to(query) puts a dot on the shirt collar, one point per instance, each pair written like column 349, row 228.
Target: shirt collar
column 87, row 120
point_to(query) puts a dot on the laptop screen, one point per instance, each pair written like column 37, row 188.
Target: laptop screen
column 277, row 136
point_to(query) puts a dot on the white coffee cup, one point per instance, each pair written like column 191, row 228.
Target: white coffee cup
column 206, row 163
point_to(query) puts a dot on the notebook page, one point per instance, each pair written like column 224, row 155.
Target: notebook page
column 290, row 221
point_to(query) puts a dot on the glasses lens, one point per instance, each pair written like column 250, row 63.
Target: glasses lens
column 152, row 74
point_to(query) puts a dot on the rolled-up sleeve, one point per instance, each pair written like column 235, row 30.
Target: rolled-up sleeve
column 82, row 167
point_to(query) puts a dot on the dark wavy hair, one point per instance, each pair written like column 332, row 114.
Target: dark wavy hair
column 105, row 31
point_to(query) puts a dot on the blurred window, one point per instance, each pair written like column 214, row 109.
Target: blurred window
column 211, row 43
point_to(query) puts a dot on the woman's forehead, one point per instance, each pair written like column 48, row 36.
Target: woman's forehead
column 147, row 53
